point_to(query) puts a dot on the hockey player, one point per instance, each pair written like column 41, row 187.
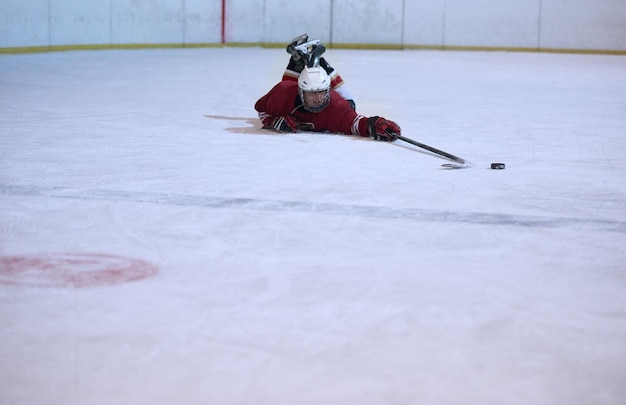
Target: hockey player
column 300, row 48
column 311, row 105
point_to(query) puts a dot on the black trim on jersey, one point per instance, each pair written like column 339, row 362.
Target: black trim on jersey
column 298, row 105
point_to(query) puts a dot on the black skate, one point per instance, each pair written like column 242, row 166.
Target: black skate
column 291, row 48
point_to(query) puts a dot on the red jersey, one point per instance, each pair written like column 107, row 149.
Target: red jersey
column 338, row 117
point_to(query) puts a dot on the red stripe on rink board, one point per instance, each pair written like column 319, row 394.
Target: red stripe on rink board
column 223, row 39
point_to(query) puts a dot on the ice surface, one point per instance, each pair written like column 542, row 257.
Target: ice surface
column 316, row 268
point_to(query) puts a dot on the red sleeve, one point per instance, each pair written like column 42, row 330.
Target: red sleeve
column 278, row 101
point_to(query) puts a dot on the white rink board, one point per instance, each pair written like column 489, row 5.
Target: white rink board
column 371, row 22
column 583, row 24
column 531, row 24
column 71, row 18
column 24, row 23
column 492, row 23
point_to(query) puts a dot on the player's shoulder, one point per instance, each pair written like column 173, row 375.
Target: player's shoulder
column 287, row 85
column 338, row 101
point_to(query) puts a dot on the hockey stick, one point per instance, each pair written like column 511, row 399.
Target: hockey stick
column 462, row 163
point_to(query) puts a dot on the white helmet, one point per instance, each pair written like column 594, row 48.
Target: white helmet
column 314, row 80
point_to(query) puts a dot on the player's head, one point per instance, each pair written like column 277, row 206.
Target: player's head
column 314, row 88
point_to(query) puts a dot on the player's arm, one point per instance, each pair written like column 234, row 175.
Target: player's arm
column 343, row 119
column 274, row 109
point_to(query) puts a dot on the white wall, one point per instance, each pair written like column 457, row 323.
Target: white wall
column 533, row 24
column 24, row 23
column 492, row 23
column 36, row 23
column 583, row 24
column 66, row 18
column 537, row 24
column 368, row 21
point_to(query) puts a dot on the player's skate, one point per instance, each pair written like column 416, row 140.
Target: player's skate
column 311, row 52
column 291, row 48
column 303, row 50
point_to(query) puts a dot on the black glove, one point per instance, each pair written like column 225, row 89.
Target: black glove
column 285, row 123
column 382, row 129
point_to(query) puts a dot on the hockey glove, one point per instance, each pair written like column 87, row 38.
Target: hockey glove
column 382, row 129
column 285, row 123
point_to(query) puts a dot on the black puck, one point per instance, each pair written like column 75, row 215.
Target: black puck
column 497, row 166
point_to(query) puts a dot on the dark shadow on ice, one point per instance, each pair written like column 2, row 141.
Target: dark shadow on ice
column 254, row 127
column 398, row 213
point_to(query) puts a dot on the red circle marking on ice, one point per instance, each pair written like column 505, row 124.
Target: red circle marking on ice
column 72, row 270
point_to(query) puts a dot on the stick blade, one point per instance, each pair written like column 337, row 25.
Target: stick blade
column 457, row 165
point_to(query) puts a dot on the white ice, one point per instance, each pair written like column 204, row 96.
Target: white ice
column 314, row 268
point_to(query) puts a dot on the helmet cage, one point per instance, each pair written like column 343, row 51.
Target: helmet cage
column 319, row 107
